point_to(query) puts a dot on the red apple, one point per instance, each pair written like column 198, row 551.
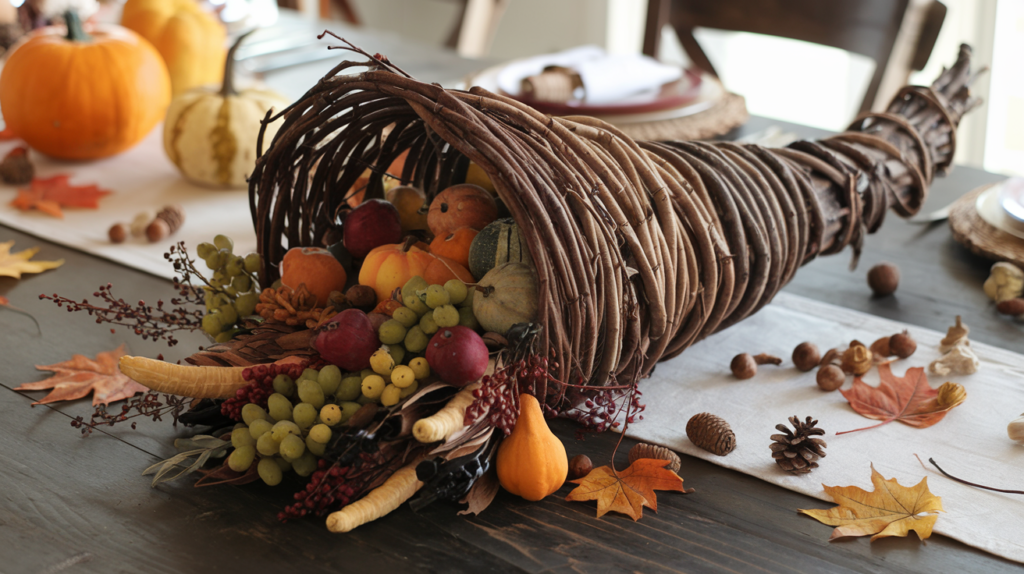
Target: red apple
column 347, row 340
column 372, row 224
column 457, row 355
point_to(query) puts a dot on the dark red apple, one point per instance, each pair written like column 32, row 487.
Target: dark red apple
column 347, row 340
column 372, row 224
column 458, row 355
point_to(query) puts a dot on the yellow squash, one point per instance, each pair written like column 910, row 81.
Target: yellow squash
column 531, row 461
column 210, row 133
column 190, row 39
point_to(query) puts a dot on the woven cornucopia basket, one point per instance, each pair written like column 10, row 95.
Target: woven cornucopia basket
column 641, row 248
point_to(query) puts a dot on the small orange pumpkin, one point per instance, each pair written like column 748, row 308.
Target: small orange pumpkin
column 462, row 205
column 388, row 267
column 455, row 246
column 75, row 96
column 531, row 461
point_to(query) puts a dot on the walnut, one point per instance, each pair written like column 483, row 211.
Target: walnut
column 950, row 395
column 1016, row 429
column 1005, row 281
column 856, row 359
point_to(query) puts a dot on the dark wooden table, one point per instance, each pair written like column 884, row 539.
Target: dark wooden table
column 77, row 504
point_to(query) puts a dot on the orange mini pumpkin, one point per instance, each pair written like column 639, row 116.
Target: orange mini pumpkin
column 462, row 205
column 75, row 96
column 455, row 246
column 388, row 267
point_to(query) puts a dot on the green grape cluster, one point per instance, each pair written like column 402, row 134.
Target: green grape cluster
column 232, row 292
column 298, row 423
column 426, row 308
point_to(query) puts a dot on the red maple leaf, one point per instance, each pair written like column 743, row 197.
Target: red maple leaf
column 908, row 399
column 81, row 375
column 50, row 194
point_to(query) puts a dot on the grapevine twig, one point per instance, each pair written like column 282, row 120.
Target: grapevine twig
column 962, row 481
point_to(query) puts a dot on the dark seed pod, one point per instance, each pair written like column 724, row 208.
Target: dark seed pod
column 645, row 450
column 711, row 433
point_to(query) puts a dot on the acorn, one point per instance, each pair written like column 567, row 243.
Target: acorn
column 883, row 279
column 806, row 356
column 902, row 345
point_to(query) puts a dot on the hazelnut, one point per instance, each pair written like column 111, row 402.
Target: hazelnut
column 580, row 466
column 157, row 230
column 883, row 279
column 744, row 366
column 118, row 233
column 1013, row 307
column 881, row 347
column 806, row 356
column 902, row 345
column 830, row 377
column 361, row 297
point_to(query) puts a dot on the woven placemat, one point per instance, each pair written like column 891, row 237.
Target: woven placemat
column 729, row 112
column 978, row 236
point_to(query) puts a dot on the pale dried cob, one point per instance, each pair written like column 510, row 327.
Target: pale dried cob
column 711, row 433
column 797, row 451
column 645, row 450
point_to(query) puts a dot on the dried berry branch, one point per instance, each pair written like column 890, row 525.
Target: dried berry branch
column 148, row 405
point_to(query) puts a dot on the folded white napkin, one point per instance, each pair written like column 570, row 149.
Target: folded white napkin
column 607, row 78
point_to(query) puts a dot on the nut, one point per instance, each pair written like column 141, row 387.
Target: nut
column 950, row 395
column 644, row 450
column 880, row 348
column 141, row 222
column 118, row 233
column 1013, row 307
column 157, row 230
column 361, row 297
column 1015, row 429
column 806, row 356
column 581, row 466
column 856, row 359
column 1005, row 281
column 902, row 345
column 883, row 279
column 830, row 377
column 743, row 366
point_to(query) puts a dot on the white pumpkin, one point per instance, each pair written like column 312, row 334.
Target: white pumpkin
column 210, row 133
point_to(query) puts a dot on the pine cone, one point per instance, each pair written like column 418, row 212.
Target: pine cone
column 645, row 450
column 797, row 452
column 711, row 433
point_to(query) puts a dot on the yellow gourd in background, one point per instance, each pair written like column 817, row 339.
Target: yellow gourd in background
column 210, row 133
column 531, row 461
column 190, row 39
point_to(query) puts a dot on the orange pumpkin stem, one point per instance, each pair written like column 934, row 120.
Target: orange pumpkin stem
column 228, row 87
column 408, row 242
column 76, row 33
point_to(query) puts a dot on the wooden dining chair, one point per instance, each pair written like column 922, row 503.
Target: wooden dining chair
column 866, row 27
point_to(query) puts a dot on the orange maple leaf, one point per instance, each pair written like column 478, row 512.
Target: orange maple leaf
column 890, row 510
column 81, row 375
column 627, row 491
column 908, row 399
column 50, row 194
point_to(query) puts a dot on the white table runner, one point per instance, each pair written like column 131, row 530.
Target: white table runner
column 970, row 443
column 141, row 178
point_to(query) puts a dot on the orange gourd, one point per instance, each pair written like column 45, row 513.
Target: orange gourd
column 190, row 39
column 75, row 96
column 388, row 267
column 455, row 246
column 531, row 461
column 462, row 205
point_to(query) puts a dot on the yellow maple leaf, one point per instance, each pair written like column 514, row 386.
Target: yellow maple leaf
column 14, row 264
column 627, row 491
column 891, row 510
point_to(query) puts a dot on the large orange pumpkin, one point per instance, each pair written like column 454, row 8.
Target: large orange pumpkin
column 388, row 267
column 75, row 96
column 190, row 39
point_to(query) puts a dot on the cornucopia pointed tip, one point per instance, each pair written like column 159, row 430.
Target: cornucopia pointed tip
column 186, row 381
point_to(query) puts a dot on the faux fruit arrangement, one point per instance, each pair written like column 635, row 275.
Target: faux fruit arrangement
column 366, row 367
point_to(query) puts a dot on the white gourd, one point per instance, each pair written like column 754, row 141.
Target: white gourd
column 210, row 133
